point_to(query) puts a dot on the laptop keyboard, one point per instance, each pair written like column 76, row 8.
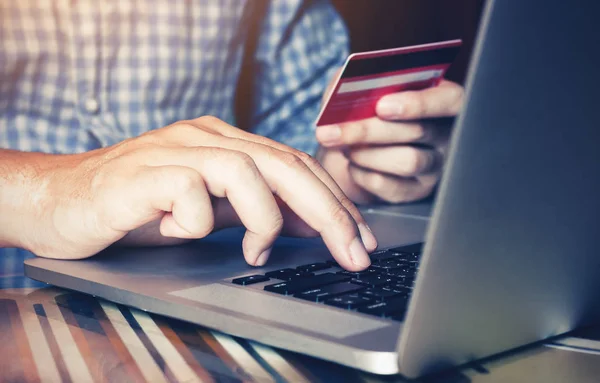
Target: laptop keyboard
column 381, row 290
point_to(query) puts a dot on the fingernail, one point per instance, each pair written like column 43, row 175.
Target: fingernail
column 367, row 236
column 330, row 134
column 263, row 258
column 358, row 254
column 389, row 109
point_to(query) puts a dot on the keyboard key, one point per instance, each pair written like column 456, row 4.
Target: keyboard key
column 406, row 271
column 277, row 273
column 303, row 284
column 323, row 293
column 287, row 274
column 395, row 263
column 349, row 302
column 398, row 290
column 381, row 256
column 402, row 257
column 380, row 294
column 390, row 264
column 373, row 280
column 401, row 272
column 299, row 274
column 244, row 281
column 313, row 267
column 356, row 274
column 407, row 290
column 386, row 308
column 403, row 283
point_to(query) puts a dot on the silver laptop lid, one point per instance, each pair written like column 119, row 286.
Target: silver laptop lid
column 512, row 252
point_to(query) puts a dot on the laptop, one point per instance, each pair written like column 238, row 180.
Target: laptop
column 508, row 256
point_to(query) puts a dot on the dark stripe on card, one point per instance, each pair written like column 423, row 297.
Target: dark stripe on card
column 398, row 62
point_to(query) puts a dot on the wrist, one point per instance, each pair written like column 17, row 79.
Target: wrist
column 23, row 192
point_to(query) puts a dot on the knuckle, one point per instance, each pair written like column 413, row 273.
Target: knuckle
column 276, row 225
column 340, row 216
column 208, row 120
column 186, row 181
column 129, row 147
column 141, row 154
column 242, row 164
column 347, row 203
column 305, row 157
column 150, row 138
column 356, row 132
column 182, row 128
column 414, row 106
column 291, row 160
column 245, row 162
column 308, row 160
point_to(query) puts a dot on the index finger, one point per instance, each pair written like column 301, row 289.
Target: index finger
column 227, row 130
column 314, row 202
column 444, row 100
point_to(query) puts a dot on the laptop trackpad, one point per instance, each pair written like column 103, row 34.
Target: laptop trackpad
column 285, row 312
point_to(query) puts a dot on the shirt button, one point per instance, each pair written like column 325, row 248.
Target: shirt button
column 92, row 106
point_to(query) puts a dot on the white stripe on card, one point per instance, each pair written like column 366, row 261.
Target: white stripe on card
column 382, row 82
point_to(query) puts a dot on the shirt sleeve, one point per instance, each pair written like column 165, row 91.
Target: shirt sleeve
column 303, row 43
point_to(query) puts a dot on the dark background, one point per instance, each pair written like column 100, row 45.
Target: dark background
column 382, row 24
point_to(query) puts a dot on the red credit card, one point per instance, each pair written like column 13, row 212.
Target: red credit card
column 368, row 76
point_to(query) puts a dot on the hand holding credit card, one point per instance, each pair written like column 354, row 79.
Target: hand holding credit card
column 385, row 124
column 368, row 76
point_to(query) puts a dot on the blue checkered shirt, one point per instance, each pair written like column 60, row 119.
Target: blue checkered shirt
column 76, row 75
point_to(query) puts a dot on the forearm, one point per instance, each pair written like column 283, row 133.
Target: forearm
column 21, row 191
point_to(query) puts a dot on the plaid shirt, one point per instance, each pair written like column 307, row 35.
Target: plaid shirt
column 76, row 75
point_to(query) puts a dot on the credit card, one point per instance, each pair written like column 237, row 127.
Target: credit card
column 368, row 76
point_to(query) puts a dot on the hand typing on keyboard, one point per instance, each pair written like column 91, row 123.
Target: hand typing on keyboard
column 172, row 184
column 381, row 290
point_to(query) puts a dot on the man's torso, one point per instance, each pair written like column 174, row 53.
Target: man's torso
column 79, row 74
